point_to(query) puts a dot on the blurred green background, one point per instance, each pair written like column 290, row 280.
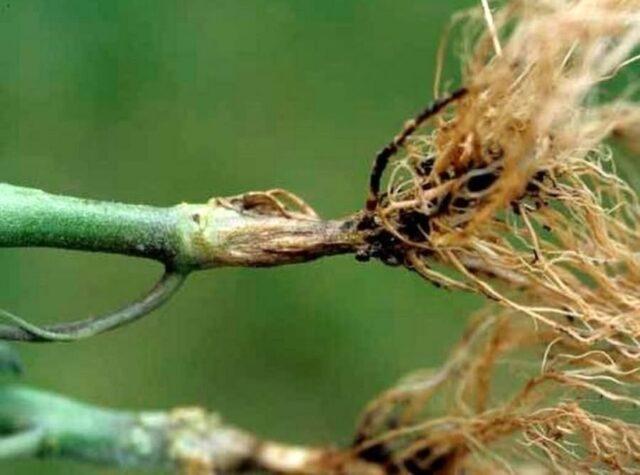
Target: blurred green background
column 161, row 102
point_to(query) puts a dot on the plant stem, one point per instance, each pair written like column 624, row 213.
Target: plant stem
column 222, row 232
column 45, row 425
column 33, row 218
column 257, row 229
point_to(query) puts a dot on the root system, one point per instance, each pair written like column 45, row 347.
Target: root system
column 513, row 194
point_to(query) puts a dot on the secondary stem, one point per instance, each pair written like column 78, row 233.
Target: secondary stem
column 44, row 425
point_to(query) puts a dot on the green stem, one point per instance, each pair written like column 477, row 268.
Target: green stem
column 69, row 429
column 33, row 218
column 45, row 425
column 21, row 444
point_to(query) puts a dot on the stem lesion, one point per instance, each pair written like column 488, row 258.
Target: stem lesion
column 256, row 230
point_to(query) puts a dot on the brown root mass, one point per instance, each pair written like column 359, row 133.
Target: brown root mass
column 513, row 194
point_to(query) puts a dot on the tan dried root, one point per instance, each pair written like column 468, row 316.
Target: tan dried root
column 518, row 184
column 494, row 408
column 514, row 195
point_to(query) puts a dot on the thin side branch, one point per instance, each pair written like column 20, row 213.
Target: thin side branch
column 170, row 282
